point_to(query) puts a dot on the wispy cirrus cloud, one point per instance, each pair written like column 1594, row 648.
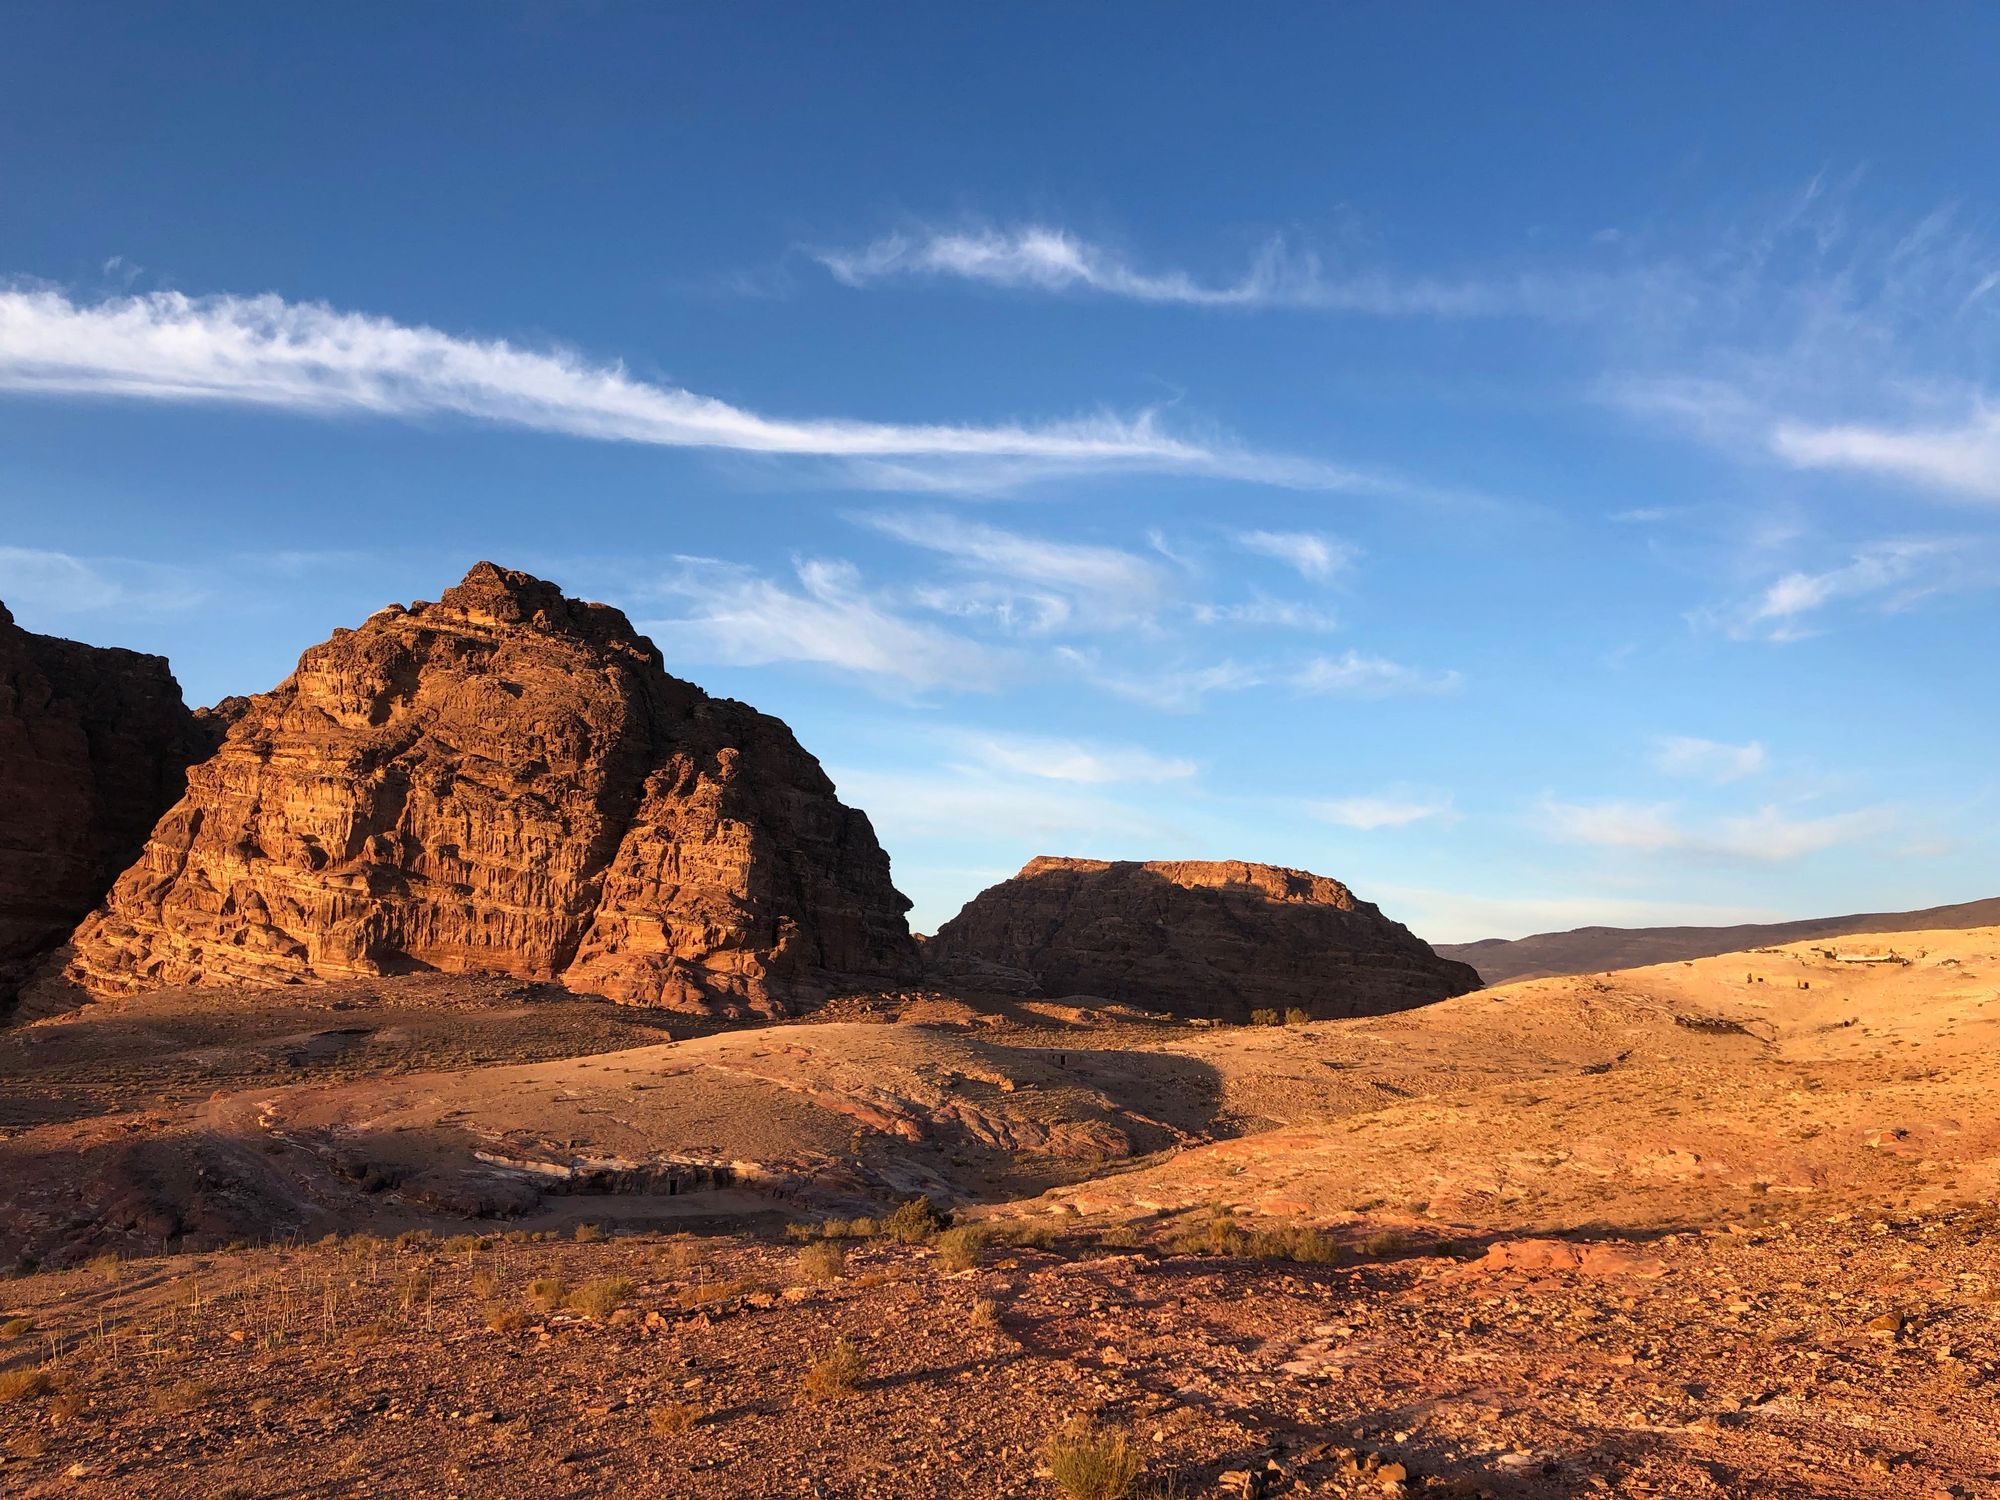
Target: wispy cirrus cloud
column 1768, row 835
column 1362, row 675
column 308, row 357
column 1182, row 687
column 55, row 584
column 733, row 615
column 1886, row 577
column 1048, row 758
column 1310, row 554
column 1708, row 760
column 1049, row 259
column 1371, row 814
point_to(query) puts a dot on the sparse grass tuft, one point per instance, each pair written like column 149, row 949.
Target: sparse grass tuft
column 600, row 1299
column 17, row 1328
column 1311, row 1247
column 413, row 1290
column 548, row 1292
column 504, row 1319
column 1091, row 1462
column 1383, row 1245
column 588, row 1234
column 958, row 1249
column 835, row 1377
column 683, row 1255
column 1296, row 1017
column 821, row 1261
column 985, row 1313
column 671, row 1418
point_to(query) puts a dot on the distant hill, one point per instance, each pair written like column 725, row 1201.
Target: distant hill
column 1591, row 950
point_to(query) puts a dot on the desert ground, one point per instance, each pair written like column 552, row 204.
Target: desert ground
column 1720, row 1227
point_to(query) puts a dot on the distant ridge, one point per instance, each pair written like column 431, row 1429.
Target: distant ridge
column 1591, row 950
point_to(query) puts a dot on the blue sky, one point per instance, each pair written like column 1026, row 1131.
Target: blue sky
column 1540, row 467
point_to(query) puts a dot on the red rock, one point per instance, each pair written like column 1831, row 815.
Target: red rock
column 1199, row 938
column 94, row 745
column 507, row 780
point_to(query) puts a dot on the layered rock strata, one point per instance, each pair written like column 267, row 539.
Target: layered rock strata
column 507, row 780
column 95, row 743
column 1199, row 938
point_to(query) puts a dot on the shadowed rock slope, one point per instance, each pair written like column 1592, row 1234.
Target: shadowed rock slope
column 94, row 745
column 505, row 781
column 1198, row 938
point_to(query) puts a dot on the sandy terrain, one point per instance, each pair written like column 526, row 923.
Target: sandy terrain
column 1710, row 1228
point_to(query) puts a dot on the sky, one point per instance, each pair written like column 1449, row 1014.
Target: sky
column 1538, row 466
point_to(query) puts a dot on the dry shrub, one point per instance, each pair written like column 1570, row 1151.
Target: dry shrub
column 915, row 1222
column 835, row 1377
column 504, row 1319
column 485, row 1282
column 670, row 1418
column 985, row 1313
column 1090, row 1462
column 588, row 1234
column 683, row 1255
column 182, row 1395
column 413, row 1290
column 548, row 1292
column 17, row 1328
column 958, row 1249
column 822, row 1261
column 25, row 1384
column 1311, row 1247
column 600, row 1299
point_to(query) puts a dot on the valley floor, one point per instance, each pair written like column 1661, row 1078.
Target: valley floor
column 1784, row 1359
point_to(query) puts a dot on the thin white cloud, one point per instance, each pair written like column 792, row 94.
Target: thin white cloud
column 311, row 358
column 1708, row 760
column 907, row 807
column 1358, row 674
column 1962, row 460
column 1464, row 917
column 737, row 617
column 1370, row 814
column 1308, row 553
column 1069, row 580
column 1263, row 611
column 1051, row 260
column 38, row 583
column 1768, row 835
column 1052, row 759
column 1182, row 688
column 1887, row 576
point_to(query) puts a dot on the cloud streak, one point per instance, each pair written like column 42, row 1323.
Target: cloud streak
column 1765, row 836
column 1051, row 260
column 310, row 358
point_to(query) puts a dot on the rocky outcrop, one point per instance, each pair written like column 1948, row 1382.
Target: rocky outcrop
column 507, row 780
column 1199, row 938
column 94, row 745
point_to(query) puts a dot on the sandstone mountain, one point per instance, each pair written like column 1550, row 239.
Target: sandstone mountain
column 94, row 745
column 1596, row 950
column 507, row 780
column 1198, row 938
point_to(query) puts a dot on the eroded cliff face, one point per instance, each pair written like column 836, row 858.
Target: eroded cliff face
column 94, row 745
column 506, row 780
column 1198, row 938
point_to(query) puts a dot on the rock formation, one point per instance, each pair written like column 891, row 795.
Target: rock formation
column 94, row 745
column 1199, row 938
column 506, row 780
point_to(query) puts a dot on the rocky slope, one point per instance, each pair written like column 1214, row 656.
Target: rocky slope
column 1597, row 950
column 1198, row 938
column 94, row 745
column 507, row 781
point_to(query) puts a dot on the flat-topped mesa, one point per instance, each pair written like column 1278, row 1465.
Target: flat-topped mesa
column 94, row 745
column 1218, row 938
column 506, row 780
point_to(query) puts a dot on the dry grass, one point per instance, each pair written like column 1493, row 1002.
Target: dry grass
column 958, row 1249
column 985, row 1313
column 671, row 1418
column 17, row 1328
column 821, row 1262
column 25, row 1384
column 588, row 1234
column 836, row 1376
column 182, row 1395
column 548, row 1292
column 600, row 1299
column 504, row 1319
column 1091, row 1462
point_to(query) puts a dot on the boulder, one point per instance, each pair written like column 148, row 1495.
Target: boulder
column 507, row 781
column 95, row 743
column 1198, row 938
